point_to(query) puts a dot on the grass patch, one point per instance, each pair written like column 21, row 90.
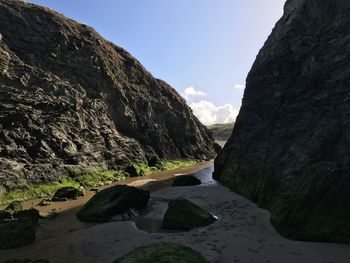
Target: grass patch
column 174, row 164
column 38, row 191
column 86, row 177
column 91, row 178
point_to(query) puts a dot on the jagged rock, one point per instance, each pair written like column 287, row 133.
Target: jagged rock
column 67, row 193
column 15, row 206
column 113, row 201
column 16, row 233
column 69, row 98
column 186, row 180
column 183, row 214
column 290, row 146
column 162, row 252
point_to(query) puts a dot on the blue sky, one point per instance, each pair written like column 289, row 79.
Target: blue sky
column 209, row 45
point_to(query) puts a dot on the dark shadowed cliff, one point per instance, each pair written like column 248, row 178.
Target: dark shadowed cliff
column 69, row 97
column 290, row 147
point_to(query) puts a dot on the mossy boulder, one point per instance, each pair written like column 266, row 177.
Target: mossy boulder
column 15, row 206
column 113, row 201
column 162, row 253
column 183, row 214
column 16, row 233
column 186, row 180
column 30, row 214
column 67, row 193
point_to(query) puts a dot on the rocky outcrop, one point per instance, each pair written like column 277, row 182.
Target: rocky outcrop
column 289, row 150
column 113, row 201
column 69, row 98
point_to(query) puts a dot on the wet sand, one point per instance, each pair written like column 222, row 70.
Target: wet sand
column 243, row 233
column 54, row 236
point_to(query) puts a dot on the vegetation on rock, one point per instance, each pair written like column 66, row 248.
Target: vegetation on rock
column 15, row 206
column 86, row 177
column 67, row 193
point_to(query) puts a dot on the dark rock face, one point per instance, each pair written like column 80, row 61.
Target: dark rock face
column 184, row 215
column 67, row 193
column 289, row 150
column 16, row 233
column 186, row 180
column 69, row 97
column 113, row 201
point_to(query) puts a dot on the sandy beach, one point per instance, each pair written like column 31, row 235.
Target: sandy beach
column 242, row 232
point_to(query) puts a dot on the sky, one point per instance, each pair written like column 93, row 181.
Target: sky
column 202, row 48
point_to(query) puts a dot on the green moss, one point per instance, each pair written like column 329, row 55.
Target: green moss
column 174, row 164
column 87, row 177
column 144, row 169
column 93, row 179
column 109, row 71
column 163, row 253
column 38, row 191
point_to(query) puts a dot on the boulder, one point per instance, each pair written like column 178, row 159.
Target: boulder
column 5, row 215
column 183, row 214
column 45, row 202
column 67, row 193
column 14, row 206
column 113, row 201
column 186, row 180
column 16, row 233
column 162, row 252
column 31, row 215
column 132, row 171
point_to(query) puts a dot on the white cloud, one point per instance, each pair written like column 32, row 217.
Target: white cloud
column 192, row 92
column 210, row 114
column 239, row 86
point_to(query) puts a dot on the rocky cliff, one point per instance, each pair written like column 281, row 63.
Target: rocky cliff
column 68, row 98
column 290, row 147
